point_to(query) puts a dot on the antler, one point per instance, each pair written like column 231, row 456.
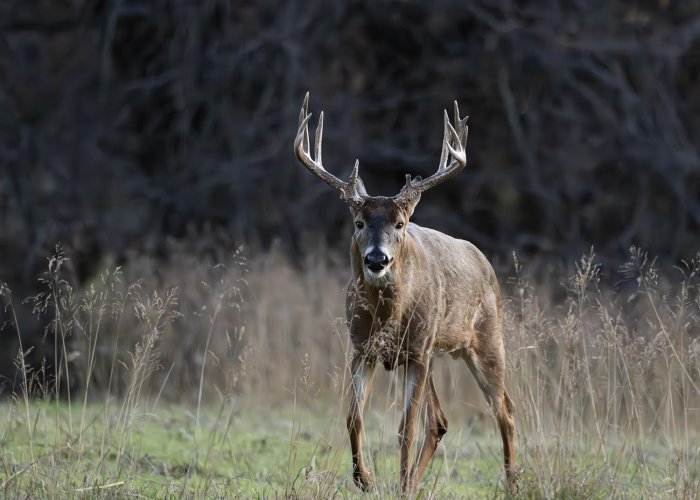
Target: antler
column 453, row 144
column 351, row 191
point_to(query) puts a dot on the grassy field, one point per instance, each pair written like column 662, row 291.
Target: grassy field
column 251, row 452
column 200, row 380
column 260, row 451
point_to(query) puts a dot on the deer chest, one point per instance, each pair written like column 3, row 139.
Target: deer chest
column 388, row 345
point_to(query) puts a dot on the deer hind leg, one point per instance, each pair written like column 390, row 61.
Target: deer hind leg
column 435, row 428
column 362, row 376
column 488, row 368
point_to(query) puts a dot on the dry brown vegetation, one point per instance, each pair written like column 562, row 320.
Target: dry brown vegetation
column 606, row 379
column 124, row 123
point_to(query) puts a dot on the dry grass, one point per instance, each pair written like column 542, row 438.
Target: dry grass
column 606, row 380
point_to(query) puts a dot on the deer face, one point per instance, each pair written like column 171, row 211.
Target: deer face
column 380, row 227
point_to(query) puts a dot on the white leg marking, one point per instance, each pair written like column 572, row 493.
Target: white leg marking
column 410, row 388
column 491, row 398
column 358, row 383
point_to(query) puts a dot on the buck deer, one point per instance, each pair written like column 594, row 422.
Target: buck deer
column 415, row 293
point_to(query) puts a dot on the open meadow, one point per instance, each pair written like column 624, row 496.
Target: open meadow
column 605, row 380
column 174, row 253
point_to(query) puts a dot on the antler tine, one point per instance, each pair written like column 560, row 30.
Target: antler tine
column 355, row 173
column 319, row 140
column 461, row 125
column 444, row 154
column 457, row 119
column 302, row 139
column 455, row 136
column 304, row 114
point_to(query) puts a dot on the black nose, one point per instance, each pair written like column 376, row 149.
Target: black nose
column 376, row 261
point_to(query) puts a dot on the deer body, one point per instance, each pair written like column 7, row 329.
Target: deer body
column 415, row 293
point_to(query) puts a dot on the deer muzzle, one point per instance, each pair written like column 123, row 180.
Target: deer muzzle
column 376, row 261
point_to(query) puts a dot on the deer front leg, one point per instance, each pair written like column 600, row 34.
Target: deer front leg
column 416, row 373
column 435, row 428
column 362, row 376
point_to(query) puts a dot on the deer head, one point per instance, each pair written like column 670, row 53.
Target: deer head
column 381, row 222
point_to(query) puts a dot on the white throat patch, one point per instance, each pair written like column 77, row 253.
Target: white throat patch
column 378, row 278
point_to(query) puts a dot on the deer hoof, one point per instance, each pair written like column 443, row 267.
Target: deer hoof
column 363, row 479
column 512, row 480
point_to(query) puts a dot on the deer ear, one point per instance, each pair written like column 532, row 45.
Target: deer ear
column 361, row 193
column 354, row 192
column 409, row 204
column 361, row 188
column 408, row 198
column 354, row 208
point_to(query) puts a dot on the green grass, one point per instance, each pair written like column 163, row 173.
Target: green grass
column 259, row 451
column 254, row 451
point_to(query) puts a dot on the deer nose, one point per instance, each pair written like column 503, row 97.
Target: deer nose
column 376, row 261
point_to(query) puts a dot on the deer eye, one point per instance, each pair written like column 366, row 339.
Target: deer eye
column 359, row 224
column 399, row 225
